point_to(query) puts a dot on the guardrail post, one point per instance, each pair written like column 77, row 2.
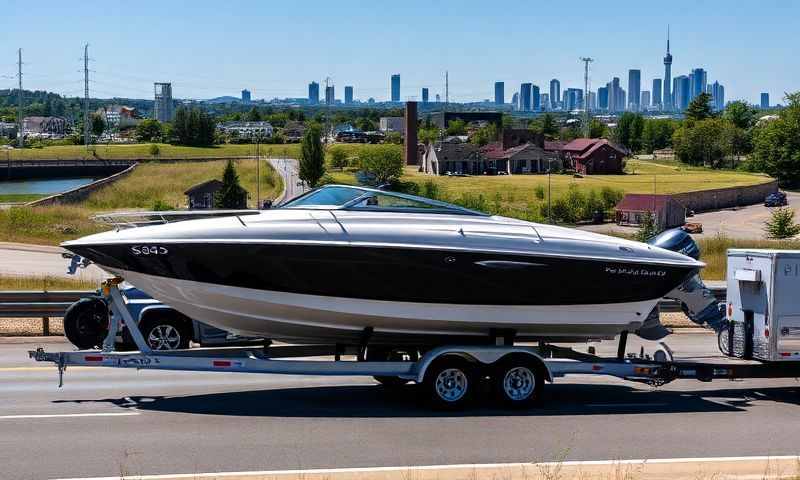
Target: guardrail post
column 45, row 326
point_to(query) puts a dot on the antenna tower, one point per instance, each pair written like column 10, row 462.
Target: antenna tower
column 586, row 61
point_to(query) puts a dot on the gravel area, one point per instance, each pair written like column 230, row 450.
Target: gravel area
column 21, row 327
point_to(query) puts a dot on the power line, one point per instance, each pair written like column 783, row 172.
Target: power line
column 86, row 95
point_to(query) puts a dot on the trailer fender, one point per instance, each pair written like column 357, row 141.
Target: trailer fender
column 485, row 355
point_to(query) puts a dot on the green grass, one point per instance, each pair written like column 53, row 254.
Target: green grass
column 19, row 197
column 141, row 151
column 25, row 282
column 149, row 184
column 713, row 251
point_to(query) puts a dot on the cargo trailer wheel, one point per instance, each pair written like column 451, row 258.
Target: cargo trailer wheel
column 449, row 382
column 86, row 323
column 518, row 382
column 384, row 354
column 165, row 333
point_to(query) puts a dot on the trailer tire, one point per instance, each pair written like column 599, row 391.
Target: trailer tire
column 450, row 383
column 387, row 354
column 518, row 381
column 86, row 323
column 166, row 332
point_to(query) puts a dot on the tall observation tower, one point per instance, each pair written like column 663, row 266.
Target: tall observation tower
column 668, row 77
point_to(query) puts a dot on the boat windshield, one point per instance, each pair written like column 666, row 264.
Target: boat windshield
column 345, row 197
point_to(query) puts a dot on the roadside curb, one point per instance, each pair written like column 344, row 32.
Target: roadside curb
column 17, row 340
column 31, row 247
column 657, row 469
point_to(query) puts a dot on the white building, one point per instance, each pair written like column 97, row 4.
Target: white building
column 392, row 124
column 247, row 129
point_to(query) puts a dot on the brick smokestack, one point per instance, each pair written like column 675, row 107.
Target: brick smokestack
column 411, row 141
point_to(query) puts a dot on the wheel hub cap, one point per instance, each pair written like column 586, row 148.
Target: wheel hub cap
column 451, row 384
column 519, row 383
column 164, row 337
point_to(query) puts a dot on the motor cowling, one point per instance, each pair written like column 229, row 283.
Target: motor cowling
column 676, row 240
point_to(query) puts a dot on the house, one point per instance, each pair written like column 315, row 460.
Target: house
column 392, row 124
column 201, row 196
column 664, row 153
column 293, row 131
column 524, row 158
column 633, row 207
column 594, row 156
column 119, row 116
column 451, row 157
column 44, row 126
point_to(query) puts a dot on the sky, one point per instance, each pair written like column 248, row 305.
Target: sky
column 275, row 48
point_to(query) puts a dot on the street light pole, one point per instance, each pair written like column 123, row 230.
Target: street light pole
column 549, row 188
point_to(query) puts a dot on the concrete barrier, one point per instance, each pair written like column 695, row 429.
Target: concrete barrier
column 80, row 193
column 730, row 197
column 30, row 169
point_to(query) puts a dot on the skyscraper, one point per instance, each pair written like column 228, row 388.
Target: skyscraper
column 657, row 93
column 645, row 103
column 764, row 100
column 602, row 98
column 591, row 100
column 555, row 93
column 499, row 94
column 616, row 96
column 515, row 101
column 348, row 95
column 718, row 96
column 396, row 87
column 525, row 97
column 546, row 102
column 330, row 97
column 634, row 89
column 163, row 109
column 246, row 96
column 424, row 94
column 313, row 93
column 536, row 99
column 667, row 99
column 682, row 92
column 698, row 80
column 573, row 99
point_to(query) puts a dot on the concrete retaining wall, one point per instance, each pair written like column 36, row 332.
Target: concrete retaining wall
column 30, row 169
column 718, row 198
column 80, row 193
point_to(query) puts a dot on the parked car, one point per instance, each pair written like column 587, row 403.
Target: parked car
column 163, row 328
column 777, row 199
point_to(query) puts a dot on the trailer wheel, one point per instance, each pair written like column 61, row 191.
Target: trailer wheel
column 518, row 382
column 165, row 332
column 383, row 354
column 450, row 383
column 86, row 323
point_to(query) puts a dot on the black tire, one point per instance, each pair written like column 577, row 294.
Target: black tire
column 722, row 339
column 86, row 323
column 166, row 332
column 388, row 354
column 518, row 381
column 450, row 383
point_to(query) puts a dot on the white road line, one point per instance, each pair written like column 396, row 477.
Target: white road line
column 625, row 405
column 408, row 469
column 69, row 415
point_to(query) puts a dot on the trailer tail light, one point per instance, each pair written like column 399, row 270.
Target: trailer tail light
column 766, row 332
column 597, row 368
column 93, row 358
column 786, row 354
column 730, row 310
column 222, row 363
column 643, row 370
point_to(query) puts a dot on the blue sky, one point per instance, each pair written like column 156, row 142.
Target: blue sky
column 274, row 48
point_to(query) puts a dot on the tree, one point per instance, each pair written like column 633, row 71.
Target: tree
column 429, row 134
column 699, row 108
column 149, row 130
column 231, row 195
column 154, row 150
column 776, row 144
column 365, row 124
column 657, row 134
column 597, row 129
column 549, row 126
column 628, row 132
column 193, row 127
column 484, row 135
column 700, row 143
column 253, row 115
column 457, row 127
column 781, row 224
column 740, row 114
column 338, row 158
column 394, row 138
column 98, row 125
column 312, row 158
column 647, row 227
column 383, row 163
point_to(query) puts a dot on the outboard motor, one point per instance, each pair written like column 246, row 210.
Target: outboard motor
column 697, row 301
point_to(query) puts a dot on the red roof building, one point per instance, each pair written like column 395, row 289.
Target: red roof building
column 594, row 156
column 633, row 207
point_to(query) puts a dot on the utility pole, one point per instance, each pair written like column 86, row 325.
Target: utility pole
column 446, row 89
column 20, row 131
column 586, row 61
column 258, row 172
column 86, row 125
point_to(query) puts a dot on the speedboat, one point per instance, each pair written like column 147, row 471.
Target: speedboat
column 340, row 260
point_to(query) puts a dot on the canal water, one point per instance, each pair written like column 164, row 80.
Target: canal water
column 42, row 186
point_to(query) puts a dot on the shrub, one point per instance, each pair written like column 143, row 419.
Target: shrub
column 781, row 224
column 539, row 192
column 610, row 197
column 647, row 229
column 431, row 189
column 337, row 158
column 161, row 206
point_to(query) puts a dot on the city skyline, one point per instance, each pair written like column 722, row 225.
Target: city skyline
column 127, row 64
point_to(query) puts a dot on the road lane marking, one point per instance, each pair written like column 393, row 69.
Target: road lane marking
column 405, row 472
column 69, row 415
column 38, row 369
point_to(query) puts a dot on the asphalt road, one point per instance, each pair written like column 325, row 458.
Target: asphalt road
column 122, row 422
column 40, row 261
column 288, row 169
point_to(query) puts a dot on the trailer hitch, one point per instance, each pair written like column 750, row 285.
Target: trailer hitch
column 40, row 355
